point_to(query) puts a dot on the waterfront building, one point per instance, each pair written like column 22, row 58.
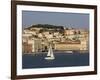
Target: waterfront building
column 32, row 45
column 34, row 40
column 74, row 45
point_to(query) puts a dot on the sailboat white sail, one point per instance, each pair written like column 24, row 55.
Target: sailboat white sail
column 50, row 55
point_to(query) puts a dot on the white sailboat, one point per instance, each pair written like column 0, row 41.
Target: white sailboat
column 50, row 55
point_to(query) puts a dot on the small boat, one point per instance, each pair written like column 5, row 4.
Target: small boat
column 50, row 55
column 69, row 51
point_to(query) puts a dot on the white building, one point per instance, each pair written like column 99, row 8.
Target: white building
column 36, row 44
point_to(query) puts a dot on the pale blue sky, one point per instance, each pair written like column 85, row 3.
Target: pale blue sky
column 75, row 20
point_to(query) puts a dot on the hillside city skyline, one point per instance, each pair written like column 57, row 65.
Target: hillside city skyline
column 37, row 38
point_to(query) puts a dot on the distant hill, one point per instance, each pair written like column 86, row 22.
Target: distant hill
column 48, row 26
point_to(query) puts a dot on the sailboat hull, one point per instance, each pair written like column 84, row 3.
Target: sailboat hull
column 49, row 58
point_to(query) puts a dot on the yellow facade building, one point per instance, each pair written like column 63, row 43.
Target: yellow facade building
column 78, row 45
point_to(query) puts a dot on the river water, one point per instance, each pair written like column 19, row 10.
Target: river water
column 61, row 60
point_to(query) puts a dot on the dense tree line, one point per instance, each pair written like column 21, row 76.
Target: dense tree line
column 47, row 26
